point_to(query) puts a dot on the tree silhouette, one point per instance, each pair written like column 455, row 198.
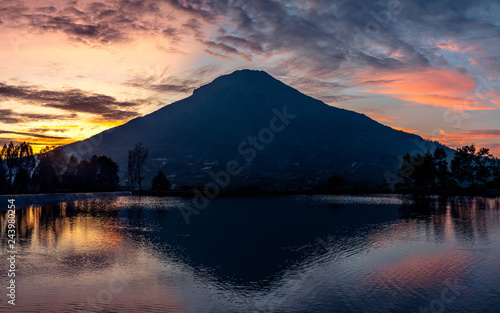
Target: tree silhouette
column 136, row 159
column 20, row 172
column 10, row 154
column 2, row 175
column 25, row 165
column 473, row 167
column 443, row 174
column 48, row 175
column 406, row 170
column 106, row 173
column 16, row 167
column 485, row 163
column 335, row 182
column 84, row 171
column 425, row 173
column 97, row 174
column 463, row 164
column 160, row 182
column 495, row 171
column 469, row 167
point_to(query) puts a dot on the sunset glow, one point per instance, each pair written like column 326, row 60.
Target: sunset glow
column 70, row 70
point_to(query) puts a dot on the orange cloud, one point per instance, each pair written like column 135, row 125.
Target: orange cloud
column 490, row 96
column 449, row 45
column 445, row 101
column 474, row 134
column 407, row 130
column 387, row 120
column 473, row 62
column 384, row 119
column 428, row 86
column 480, row 137
column 108, row 124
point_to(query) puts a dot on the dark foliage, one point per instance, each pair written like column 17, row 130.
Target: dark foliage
column 160, row 182
column 48, row 174
column 55, row 172
column 98, row 174
column 17, row 166
column 335, row 182
column 469, row 168
column 3, row 177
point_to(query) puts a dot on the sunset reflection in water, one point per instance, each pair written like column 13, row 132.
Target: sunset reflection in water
column 76, row 256
column 272, row 254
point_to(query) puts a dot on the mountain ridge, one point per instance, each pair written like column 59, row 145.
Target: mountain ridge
column 196, row 136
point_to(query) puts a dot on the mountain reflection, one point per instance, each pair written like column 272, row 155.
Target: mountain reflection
column 269, row 254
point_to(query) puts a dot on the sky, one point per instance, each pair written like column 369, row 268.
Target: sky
column 71, row 69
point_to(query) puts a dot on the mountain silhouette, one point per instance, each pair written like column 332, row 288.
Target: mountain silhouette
column 297, row 140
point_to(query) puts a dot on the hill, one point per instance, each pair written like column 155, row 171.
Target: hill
column 277, row 135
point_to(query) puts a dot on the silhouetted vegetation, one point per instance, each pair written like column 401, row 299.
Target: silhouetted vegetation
column 98, row 174
column 136, row 159
column 160, row 182
column 336, row 182
column 469, row 168
column 17, row 165
column 52, row 171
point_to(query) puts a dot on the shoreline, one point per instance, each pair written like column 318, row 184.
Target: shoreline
column 26, row 200
column 263, row 193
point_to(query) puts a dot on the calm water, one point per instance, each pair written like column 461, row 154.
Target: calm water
column 262, row 254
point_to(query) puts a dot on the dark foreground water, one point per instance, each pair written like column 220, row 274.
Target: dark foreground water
column 262, row 254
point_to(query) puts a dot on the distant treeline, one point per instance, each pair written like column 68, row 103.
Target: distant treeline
column 53, row 171
column 469, row 168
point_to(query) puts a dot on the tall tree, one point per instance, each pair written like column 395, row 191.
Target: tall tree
column 25, row 165
column 136, row 159
column 2, row 175
column 98, row 174
column 406, row 170
column 496, row 172
column 10, row 153
column 485, row 164
column 463, row 164
column 474, row 167
column 106, row 174
column 424, row 174
column 48, row 175
column 442, row 172
column 418, row 171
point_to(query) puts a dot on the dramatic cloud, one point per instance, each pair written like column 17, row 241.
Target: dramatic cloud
column 168, row 84
column 480, row 137
column 86, row 22
column 440, row 88
column 74, row 100
column 172, row 84
column 45, row 130
column 373, row 33
column 476, row 134
column 10, row 117
column 325, row 35
column 395, row 55
column 32, row 135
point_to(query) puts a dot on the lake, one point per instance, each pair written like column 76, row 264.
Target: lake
column 370, row 253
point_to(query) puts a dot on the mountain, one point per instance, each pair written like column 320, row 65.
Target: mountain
column 277, row 135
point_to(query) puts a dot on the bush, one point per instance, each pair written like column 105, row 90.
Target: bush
column 160, row 182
